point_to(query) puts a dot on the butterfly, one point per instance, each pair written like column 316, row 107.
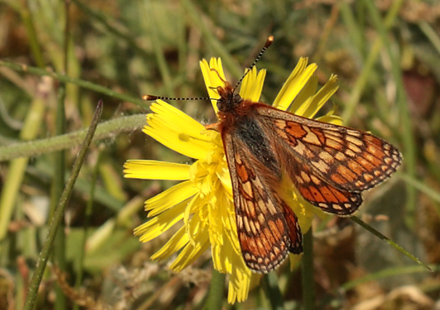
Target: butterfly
column 329, row 165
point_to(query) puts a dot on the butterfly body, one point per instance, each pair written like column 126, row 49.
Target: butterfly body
column 329, row 166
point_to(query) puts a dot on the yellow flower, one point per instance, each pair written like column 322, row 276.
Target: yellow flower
column 202, row 203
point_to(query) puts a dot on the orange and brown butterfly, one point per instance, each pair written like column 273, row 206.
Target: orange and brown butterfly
column 329, row 165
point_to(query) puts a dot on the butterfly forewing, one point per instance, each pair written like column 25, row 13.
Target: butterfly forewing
column 345, row 158
column 267, row 227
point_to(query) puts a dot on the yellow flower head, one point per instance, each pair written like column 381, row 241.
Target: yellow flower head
column 202, row 203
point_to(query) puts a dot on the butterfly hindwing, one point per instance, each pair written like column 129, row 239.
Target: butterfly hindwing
column 322, row 194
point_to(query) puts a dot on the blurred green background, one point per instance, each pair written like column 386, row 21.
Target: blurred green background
column 385, row 53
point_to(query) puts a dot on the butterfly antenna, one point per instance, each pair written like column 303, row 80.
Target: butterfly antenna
column 152, row 97
column 268, row 43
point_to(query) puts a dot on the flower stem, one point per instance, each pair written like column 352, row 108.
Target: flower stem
column 59, row 212
column 270, row 286
column 105, row 130
column 216, row 291
column 307, row 272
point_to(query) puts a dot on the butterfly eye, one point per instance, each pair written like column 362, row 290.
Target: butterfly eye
column 221, row 105
column 237, row 99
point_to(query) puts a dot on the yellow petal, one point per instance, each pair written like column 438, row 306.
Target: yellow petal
column 155, row 170
column 191, row 252
column 177, row 131
column 178, row 120
column 177, row 241
column 294, row 84
column 321, row 97
column 170, row 198
column 304, row 98
column 239, row 281
column 160, row 224
column 332, row 119
column 252, row 85
column 213, row 78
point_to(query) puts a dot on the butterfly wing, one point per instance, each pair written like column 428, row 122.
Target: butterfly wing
column 330, row 164
column 267, row 227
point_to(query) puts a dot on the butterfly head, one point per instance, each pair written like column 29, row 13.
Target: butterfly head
column 229, row 99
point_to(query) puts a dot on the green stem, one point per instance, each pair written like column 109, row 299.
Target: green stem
column 59, row 212
column 26, row 16
column 105, row 130
column 216, row 291
column 307, row 272
column 270, row 285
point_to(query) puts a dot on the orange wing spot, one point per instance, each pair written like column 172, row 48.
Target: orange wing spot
column 251, row 209
column 365, row 163
column 327, row 193
column 375, row 151
column 354, row 148
column 280, row 226
column 354, row 140
column 375, row 141
column 333, row 144
column 251, row 246
column 269, row 236
column 355, row 167
column 316, row 194
column 295, row 130
column 339, row 196
column 274, row 229
column 242, row 173
column 346, row 173
column 305, row 192
column 263, row 244
column 319, row 134
column 338, row 179
column 372, row 159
